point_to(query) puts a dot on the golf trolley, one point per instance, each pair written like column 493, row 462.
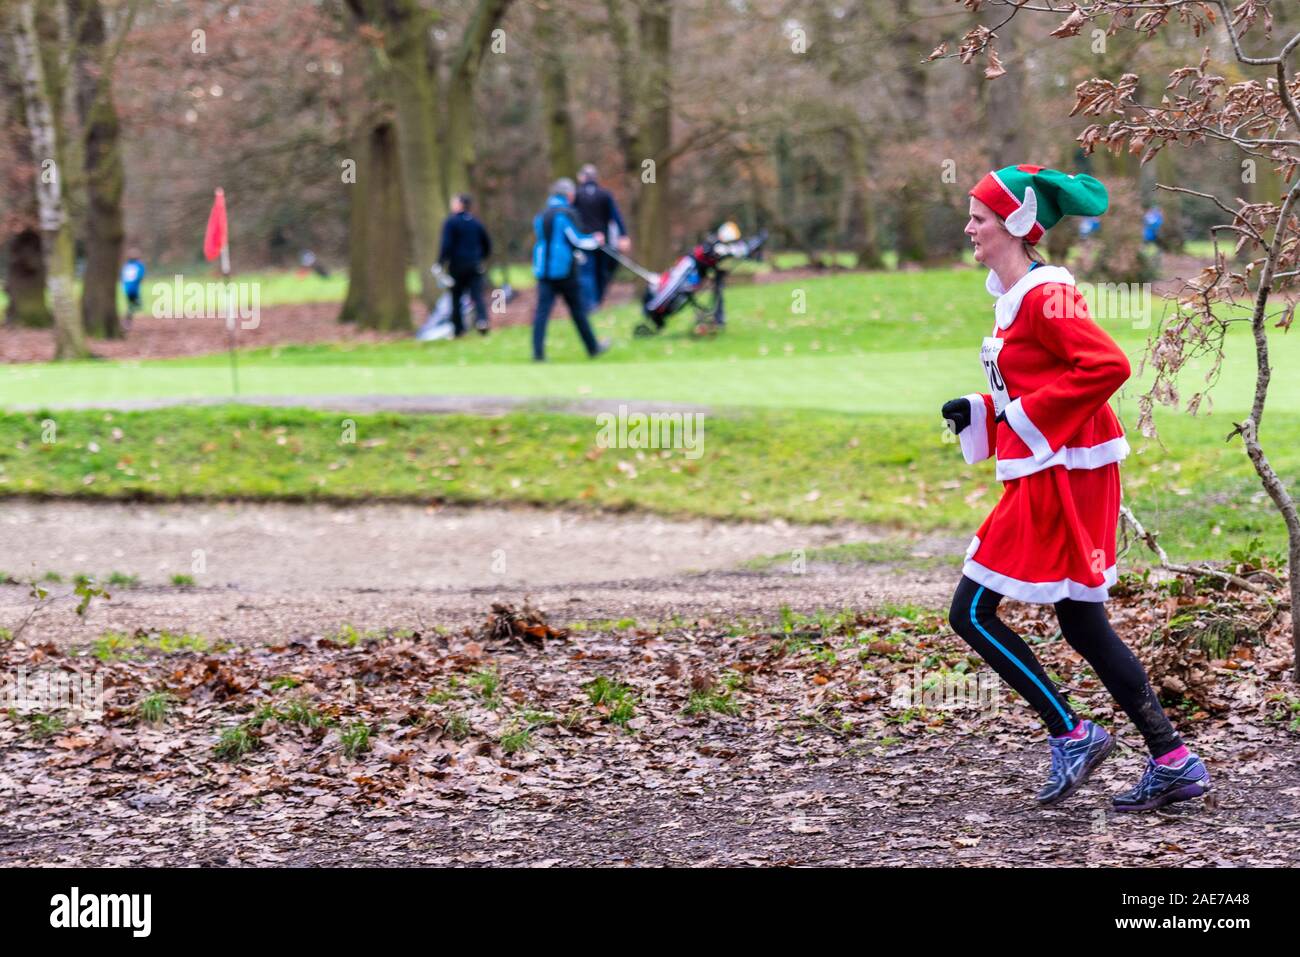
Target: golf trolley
column 438, row 323
column 671, row 291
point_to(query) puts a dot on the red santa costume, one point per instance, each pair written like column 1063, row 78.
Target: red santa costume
column 1052, row 370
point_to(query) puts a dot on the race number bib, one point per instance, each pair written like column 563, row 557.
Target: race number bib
column 997, row 385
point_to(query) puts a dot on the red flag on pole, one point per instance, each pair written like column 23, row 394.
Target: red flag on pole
column 214, row 240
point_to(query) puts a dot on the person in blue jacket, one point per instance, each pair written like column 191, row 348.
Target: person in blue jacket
column 1152, row 220
column 557, row 255
column 132, row 277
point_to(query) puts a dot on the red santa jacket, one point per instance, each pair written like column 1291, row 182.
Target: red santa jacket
column 1053, row 371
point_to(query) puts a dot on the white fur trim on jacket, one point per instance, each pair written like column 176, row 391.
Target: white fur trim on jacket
column 1008, row 305
column 1082, row 457
column 975, row 437
column 1043, row 593
column 1024, row 427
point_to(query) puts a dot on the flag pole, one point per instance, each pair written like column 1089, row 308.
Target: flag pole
column 230, row 318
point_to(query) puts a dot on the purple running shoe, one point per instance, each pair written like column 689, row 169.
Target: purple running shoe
column 1073, row 761
column 1162, row 785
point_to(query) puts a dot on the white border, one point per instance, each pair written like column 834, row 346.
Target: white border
column 1042, row 593
column 1029, row 434
column 1077, row 457
column 975, row 437
column 1008, row 302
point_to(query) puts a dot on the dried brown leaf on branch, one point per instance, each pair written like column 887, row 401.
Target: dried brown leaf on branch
column 974, row 43
column 1097, row 96
column 1072, row 24
column 995, row 68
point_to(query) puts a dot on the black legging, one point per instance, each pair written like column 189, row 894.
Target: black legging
column 1085, row 626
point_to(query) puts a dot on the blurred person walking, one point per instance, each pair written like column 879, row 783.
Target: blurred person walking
column 465, row 246
column 557, row 255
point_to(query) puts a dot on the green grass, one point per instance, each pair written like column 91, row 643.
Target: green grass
column 288, row 287
column 825, row 414
column 719, row 698
column 517, row 735
column 278, row 287
column 892, row 470
column 153, row 707
column 240, row 739
column 237, row 741
column 614, row 699
column 457, row 726
column 487, row 685
column 866, row 342
column 41, row 726
column 118, row 645
column 897, row 552
column 296, row 711
column 355, row 738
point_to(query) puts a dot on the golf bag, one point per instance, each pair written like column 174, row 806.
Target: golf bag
column 673, row 290
column 438, row 324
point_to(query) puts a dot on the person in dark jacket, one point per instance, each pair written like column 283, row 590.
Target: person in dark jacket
column 465, row 245
column 598, row 212
column 557, row 252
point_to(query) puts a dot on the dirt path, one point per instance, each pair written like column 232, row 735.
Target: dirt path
column 294, row 548
column 304, row 569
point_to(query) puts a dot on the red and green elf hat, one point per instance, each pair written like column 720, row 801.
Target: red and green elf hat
column 1032, row 199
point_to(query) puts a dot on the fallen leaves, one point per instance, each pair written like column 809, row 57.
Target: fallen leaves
column 810, row 702
column 526, row 626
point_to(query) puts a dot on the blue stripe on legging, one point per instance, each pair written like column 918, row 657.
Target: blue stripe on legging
column 1019, row 664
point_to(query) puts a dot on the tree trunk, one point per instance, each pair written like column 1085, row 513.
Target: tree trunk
column 1001, row 98
column 626, row 62
column 863, row 238
column 405, row 63
column 910, row 241
column 70, row 342
column 25, row 281
column 654, row 136
column 460, row 94
column 104, row 227
column 386, row 303
column 561, row 151
column 356, row 301
column 25, row 277
column 1171, row 204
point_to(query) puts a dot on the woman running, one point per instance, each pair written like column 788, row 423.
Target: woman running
column 1051, row 538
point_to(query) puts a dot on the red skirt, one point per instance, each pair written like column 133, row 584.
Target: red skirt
column 1051, row 536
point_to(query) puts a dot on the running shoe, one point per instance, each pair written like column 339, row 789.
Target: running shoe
column 1073, row 761
column 1162, row 785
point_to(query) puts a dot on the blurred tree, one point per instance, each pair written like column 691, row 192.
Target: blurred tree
column 398, row 32
column 56, row 233
column 552, row 80
column 645, row 119
column 461, row 115
column 25, row 266
column 104, row 227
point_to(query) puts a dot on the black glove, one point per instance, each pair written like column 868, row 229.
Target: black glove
column 957, row 412
column 1001, row 416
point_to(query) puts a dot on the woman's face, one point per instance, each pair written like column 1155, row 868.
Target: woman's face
column 987, row 232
